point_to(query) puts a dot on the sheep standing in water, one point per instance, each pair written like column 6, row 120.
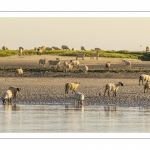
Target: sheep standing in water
column 107, row 66
column 43, row 62
column 79, row 97
column 19, row 71
column 14, row 91
column 68, row 68
column 127, row 63
column 143, row 77
column 147, row 86
column 71, row 86
column 75, row 63
column 7, row 96
column 112, row 87
column 84, row 69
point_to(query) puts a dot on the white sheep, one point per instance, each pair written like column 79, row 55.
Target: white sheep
column 19, row 71
column 146, row 86
column 107, row 65
column 112, row 87
column 79, row 97
column 75, row 63
column 127, row 63
column 71, row 86
column 7, row 96
column 84, row 68
column 14, row 90
column 143, row 77
column 43, row 62
column 67, row 68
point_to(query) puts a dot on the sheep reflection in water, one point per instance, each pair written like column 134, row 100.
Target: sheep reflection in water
column 11, row 107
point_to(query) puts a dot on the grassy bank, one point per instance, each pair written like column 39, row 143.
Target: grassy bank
column 102, row 53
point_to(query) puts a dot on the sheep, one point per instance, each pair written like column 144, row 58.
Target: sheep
column 56, row 48
column 107, row 65
column 143, row 77
column 54, row 63
column 75, row 63
column 84, row 68
column 79, row 97
column 80, row 55
column 71, row 86
column 65, row 47
column 83, row 48
column 5, row 48
column 20, row 50
column 43, row 62
column 14, row 91
column 146, row 86
column 19, row 71
column 67, row 67
column 112, row 87
column 96, row 55
column 7, row 96
column 147, row 49
column 128, row 63
column 39, row 51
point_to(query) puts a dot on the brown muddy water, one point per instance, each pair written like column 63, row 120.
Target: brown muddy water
column 73, row 119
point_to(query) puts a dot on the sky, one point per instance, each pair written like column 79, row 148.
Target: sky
column 107, row 33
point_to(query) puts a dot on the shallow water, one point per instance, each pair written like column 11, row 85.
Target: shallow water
column 66, row 118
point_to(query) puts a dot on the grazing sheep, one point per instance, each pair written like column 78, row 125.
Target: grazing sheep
column 73, row 49
column 49, row 48
column 43, row 62
column 84, row 68
column 97, row 49
column 14, row 90
column 146, row 86
column 75, row 63
column 39, row 51
column 144, row 77
column 79, row 97
column 80, row 55
column 71, row 86
column 147, row 49
column 67, row 68
column 96, row 55
column 54, row 63
column 56, row 48
column 5, row 48
column 7, row 96
column 107, row 65
column 43, row 48
column 20, row 50
column 65, row 47
column 83, row 48
column 127, row 63
column 19, row 71
column 112, row 87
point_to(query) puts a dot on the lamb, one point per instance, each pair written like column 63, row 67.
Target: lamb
column 39, row 51
column 143, row 77
column 128, row 63
column 43, row 62
column 112, row 87
column 84, row 68
column 107, row 65
column 147, row 86
column 14, row 91
column 79, row 97
column 54, row 63
column 75, row 63
column 19, row 71
column 67, row 68
column 7, row 96
column 71, row 86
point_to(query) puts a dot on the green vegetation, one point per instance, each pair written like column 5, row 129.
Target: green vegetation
column 111, row 53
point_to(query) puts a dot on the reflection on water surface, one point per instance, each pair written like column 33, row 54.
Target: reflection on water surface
column 67, row 118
